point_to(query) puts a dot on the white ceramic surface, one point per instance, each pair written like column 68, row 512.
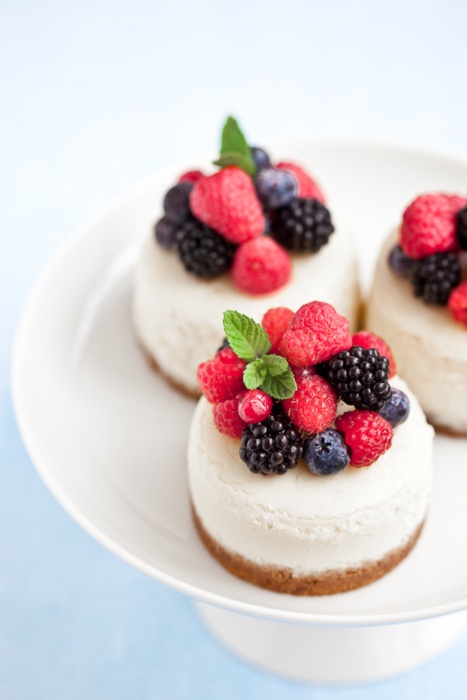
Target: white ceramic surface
column 108, row 435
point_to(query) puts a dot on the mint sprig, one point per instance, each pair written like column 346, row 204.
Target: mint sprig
column 250, row 343
column 235, row 149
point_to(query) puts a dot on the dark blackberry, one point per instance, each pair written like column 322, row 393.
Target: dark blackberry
column 435, row 276
column 359, row 376
column 272, row 446
column 203, row 251
column 304, row 225
column 461, row 230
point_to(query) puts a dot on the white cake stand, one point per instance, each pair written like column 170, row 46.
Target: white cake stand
column 108, row 437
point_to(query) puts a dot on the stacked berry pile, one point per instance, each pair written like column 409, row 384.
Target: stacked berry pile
column 433, row 236
column 244, row 217
column 285, row 387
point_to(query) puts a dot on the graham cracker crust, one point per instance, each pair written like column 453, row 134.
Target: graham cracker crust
column 283, row 580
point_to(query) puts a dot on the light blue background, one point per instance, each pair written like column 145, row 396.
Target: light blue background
column 94, row 96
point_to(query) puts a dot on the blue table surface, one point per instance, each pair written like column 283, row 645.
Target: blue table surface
column 95, row 96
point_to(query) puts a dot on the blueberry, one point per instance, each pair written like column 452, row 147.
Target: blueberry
column 399, row 262
column 260, row 158
column 396, row 410
column 167, row 233
column 177, row 202
column 326, row 453
column 275, row 188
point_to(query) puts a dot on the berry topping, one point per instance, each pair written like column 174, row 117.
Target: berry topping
column 167, row 233
column 177, row 202
column 367, row 340
column 315, row 334
column 202, row 251
column 396, row 410
column 307, row 187
column 326, row 453
column 313, row 406
column 458, row 303
column 275, row 188
column 399, row 262
column 435, row 276
column 304, row 225
column 359, row 377
column 272, row 446
column 255, row 406
column 227, row 202
column 367, row 434
column 191, row 176
column 429, row 225
column 260, row 158
column 275, row 322
column 461, row 228
column 227, row 419
column 221, row 378
column 260, row 266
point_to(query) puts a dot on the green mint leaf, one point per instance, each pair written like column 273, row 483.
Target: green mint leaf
column 275, row 365
column 235, row 158
column 247, row 338
column 254, row 374
column 282, row 386
column 234, row 142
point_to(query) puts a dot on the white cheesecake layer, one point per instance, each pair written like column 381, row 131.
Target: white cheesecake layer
column 178, row 317
column 306, row 523
column 429, row 345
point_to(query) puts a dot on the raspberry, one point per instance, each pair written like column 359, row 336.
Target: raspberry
column 316, row 333
column 260, row 266
column 221, row 378
column 227, row 419
column 429, row 225
column 368, row 340
column 313, row 406
column 367, row 434
column 458, row 303
column 307, row 187
column 191, row 176
column 255, row 406
column 275, row 322
column 227, row 202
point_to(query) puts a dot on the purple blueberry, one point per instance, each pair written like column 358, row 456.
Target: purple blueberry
column 399, row 262
column 260, row 158
column 177, row 202
column 167, row 233
column 396, row 410
column 326, row 453
column 275, row 188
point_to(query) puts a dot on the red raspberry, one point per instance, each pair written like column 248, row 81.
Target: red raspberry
column 227, row 202
column 365, row 339
column 307, row 187
column 227, row 419
column 255, row 406
column 313, row 407
column 191, row 176
column 221, row 378
column 275, row 322
column 458, row 302
column 429, row 225
column 260, row 266
column 367, row 434
column 315, row 334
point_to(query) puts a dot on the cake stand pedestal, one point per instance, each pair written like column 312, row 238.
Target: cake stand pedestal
column 332, row 654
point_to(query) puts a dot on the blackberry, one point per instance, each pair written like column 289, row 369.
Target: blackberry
column 435, row 276
column 272, row 446
column 461, row 230
column 359, row 376
column 203, row 251
column 304, row 225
